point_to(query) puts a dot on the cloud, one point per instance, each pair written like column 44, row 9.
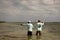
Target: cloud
column 22, row 10
column 49, row 2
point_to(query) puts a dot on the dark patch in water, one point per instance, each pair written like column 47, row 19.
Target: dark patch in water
column 9, row 36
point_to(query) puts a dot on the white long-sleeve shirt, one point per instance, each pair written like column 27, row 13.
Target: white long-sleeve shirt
column 39, row 26
column 29, row 26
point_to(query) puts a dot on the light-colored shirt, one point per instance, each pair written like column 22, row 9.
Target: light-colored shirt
column 39, row 26
column 29, row 26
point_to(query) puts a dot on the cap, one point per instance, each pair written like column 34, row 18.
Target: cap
column 29, row 21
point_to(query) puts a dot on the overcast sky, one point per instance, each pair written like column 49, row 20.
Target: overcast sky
column 24, row 10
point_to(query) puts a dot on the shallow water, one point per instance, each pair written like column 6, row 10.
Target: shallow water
column 14, row 31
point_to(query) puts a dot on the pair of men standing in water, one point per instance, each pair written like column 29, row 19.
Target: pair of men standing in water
column 38, row 27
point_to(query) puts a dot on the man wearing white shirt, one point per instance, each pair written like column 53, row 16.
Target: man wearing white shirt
column 38, row 26
column 29, row 26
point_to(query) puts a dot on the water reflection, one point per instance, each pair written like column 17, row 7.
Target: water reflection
column 29, row 37
column 38, row 37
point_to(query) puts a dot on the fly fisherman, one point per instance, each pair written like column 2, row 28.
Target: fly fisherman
column 29, row 26
column 38, row 27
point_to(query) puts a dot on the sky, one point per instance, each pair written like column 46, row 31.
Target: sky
column 24, row 10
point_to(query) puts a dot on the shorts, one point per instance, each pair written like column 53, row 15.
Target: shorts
column 29, row 33
column 38, row 33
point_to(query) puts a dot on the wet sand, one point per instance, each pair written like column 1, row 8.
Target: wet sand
column 14, row 31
